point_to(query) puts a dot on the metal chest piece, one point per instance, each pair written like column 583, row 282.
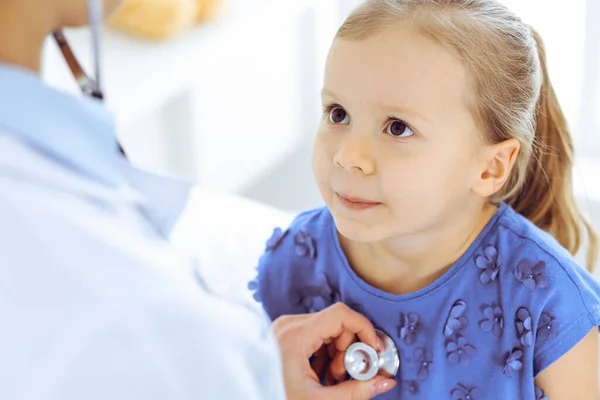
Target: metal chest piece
column 363, row 362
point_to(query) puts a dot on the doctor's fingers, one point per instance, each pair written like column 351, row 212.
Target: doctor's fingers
column 311, row 331
column 337, row 367
column 354, row 390
column 320, row 361
column 342, row 324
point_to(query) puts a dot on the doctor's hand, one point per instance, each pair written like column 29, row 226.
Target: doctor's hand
column 301, row 336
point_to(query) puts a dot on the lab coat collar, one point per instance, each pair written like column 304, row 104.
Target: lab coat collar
column 166, row 197
column 54, row 139
column 76, row 132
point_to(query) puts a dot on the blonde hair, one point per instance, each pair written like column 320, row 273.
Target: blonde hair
column 513, row 98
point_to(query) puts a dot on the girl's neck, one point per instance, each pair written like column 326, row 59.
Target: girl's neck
column 23, row 29
column 405, row 265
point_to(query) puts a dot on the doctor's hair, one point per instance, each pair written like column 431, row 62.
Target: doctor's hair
column 511, row 97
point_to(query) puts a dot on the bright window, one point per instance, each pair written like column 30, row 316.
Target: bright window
column 571, row 34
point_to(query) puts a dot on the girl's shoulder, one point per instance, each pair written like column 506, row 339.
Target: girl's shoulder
column 543, row 284
column 297, row 256
column 536, row 261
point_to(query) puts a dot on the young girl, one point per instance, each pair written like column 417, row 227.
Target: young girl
column 445, row 163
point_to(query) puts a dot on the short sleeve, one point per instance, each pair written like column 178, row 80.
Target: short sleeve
column 285, row 264
column 570, row 311
column 295, row 271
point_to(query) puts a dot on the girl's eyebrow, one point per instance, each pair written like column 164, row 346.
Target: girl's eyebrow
column 405, row 111
column 327, row 92
column 394, row 109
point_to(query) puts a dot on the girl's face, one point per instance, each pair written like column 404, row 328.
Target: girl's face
column 398, row 150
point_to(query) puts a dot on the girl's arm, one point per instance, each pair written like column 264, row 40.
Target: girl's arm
column 574, row 375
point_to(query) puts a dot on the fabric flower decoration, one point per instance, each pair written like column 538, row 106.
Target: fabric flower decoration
column 335, row 296
column 422, row 361
column 462, row 392
column 532, row 276
column 315, row 299
column 411, row 388
column 459, row 351
column 524, row 327
column 276, row 238
column 456, row 321
column 494, row 321
column 539, row 394
column 305, row 245
column 547, row 327
column 253, row 287
column 488, row 263
column 315, row 296
column 409, row 327
column 514, row 362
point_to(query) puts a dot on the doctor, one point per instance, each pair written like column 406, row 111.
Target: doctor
column 94, row 303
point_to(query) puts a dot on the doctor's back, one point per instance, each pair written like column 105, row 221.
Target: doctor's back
column 94, row 302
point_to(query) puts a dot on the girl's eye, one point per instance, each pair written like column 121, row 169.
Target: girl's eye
column 338, row 116
column 397, row 128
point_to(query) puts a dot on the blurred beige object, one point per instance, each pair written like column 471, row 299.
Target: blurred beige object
column 207, row 9
column 161, row 19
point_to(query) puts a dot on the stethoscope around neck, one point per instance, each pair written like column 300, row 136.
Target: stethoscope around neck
column 89, row 86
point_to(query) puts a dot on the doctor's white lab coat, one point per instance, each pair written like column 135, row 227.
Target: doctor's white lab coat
column 94, row 303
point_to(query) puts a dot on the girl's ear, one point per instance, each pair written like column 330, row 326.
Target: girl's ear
column 499, row 160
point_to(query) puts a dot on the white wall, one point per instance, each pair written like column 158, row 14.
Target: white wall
column 222, row 104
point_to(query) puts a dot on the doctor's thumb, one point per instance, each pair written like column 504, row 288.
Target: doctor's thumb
column 360, row 390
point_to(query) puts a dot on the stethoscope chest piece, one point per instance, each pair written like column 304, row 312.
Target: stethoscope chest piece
column 363, row 362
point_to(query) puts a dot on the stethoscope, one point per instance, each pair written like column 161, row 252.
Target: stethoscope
column 363, row 362
column 89, row 86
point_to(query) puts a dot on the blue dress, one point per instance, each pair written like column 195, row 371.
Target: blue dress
column 513, row 304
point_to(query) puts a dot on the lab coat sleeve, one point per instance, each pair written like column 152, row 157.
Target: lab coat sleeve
column 176, row 350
